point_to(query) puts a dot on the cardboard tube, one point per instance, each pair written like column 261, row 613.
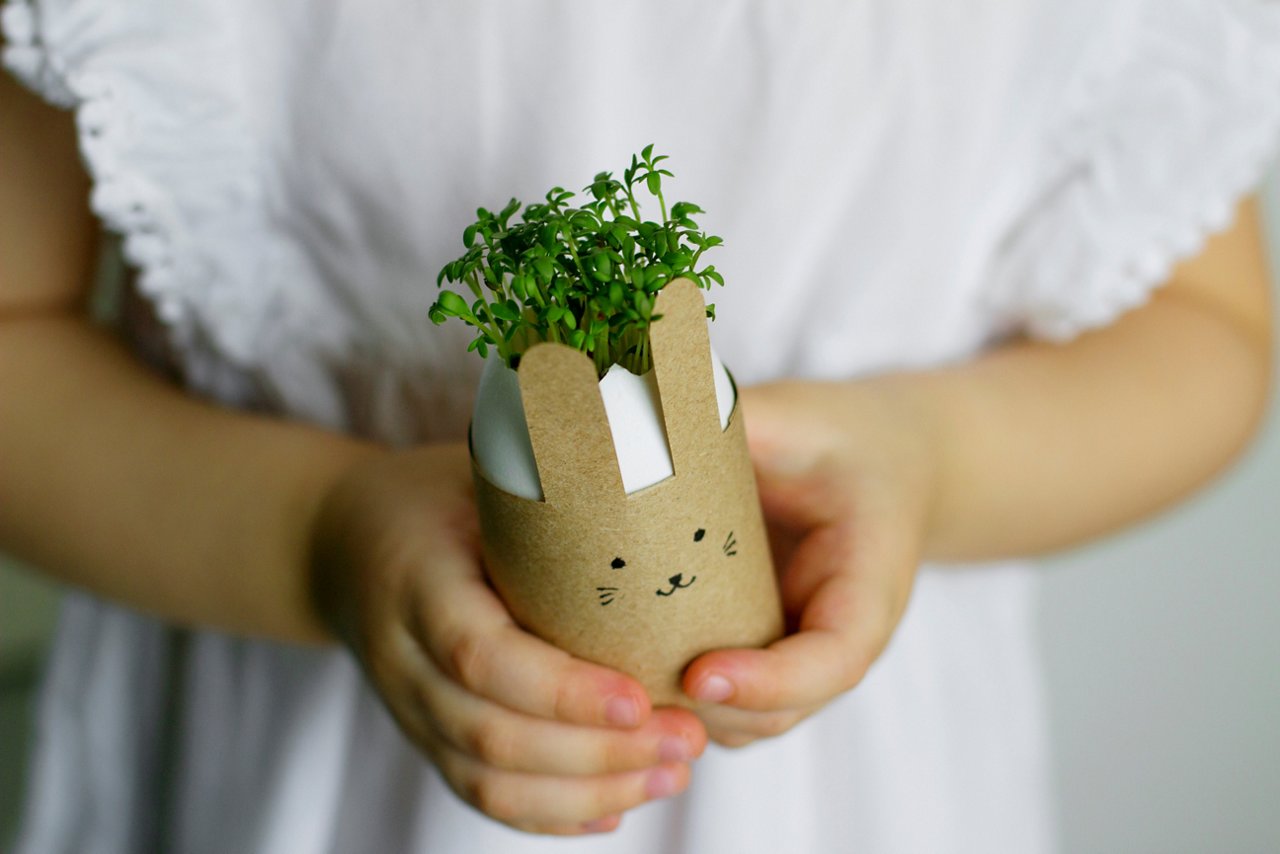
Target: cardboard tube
column 644, row 582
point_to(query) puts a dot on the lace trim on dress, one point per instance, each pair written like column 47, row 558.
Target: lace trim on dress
column 1176, row 123
column 166, row 208
column 24, row 57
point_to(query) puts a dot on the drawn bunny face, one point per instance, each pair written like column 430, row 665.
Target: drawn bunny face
column 628, row 578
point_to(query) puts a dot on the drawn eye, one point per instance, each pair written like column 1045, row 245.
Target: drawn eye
column 699, row 534
column 618, row 563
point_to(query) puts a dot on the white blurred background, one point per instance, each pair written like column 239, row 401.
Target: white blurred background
column 1163, row 668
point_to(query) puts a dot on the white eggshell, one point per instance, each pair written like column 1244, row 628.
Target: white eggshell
column 500, row 435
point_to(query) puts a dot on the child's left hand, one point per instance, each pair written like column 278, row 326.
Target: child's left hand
column 846, row 475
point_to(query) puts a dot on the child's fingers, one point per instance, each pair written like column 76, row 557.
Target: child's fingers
column 516, row 670
column 798, row 671
column 842, row 632
column 503, row 739
column 471, row 637
column 540, row 803
column 732, row 727
column 849, row 587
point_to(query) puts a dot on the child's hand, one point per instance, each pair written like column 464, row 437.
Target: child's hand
column 524, row 732
column 845, row 475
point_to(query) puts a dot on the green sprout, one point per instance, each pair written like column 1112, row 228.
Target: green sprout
column 583, row 275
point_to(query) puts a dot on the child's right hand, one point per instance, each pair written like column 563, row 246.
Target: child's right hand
column 526, row 733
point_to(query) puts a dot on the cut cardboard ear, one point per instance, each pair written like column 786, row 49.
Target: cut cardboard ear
column 568, row 427
column 681, row 349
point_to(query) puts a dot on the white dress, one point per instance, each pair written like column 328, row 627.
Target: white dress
column 899, row 185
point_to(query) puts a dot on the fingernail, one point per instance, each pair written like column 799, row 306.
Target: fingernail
column 622, row 711
column 601, row 825
column 714, row 689
column 673, row 748
column 662, row 783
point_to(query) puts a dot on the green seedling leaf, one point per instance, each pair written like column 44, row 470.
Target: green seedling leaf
column 506, row 311
column 452, row 305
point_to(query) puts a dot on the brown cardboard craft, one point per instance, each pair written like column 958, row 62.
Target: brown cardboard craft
column 645, row 582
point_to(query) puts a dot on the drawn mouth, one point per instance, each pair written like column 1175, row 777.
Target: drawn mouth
column 676, row 585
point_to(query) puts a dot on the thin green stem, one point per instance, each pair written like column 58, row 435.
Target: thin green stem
column 573, row 249
column 635, row 207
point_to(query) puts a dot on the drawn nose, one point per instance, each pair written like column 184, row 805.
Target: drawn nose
column 675, row 579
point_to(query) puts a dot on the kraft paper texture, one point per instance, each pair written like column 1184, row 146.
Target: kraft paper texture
column 645, row 582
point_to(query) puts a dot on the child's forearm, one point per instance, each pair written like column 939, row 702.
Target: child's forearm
column 1044, row 446
column 118, row 482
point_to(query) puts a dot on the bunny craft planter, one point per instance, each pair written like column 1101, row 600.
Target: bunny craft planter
column 641, row 581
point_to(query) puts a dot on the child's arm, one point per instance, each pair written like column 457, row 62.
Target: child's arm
column 114, row 480
column 111, row 479
column 1032, row 447
column 1054, row 445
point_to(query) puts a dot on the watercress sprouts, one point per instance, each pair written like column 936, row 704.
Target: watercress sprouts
column 582, row 274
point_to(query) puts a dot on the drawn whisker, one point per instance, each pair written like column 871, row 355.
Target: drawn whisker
column 730, row 554
column 729, row 544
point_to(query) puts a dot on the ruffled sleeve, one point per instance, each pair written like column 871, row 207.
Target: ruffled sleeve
column 177, row 172
column 1172, row 120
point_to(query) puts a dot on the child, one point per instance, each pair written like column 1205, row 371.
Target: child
column 944, row 226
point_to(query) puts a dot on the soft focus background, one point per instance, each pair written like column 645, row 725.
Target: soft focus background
column 1163, row 654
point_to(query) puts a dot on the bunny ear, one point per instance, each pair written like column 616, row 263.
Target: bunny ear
column 568, row 427
column 682, row 364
